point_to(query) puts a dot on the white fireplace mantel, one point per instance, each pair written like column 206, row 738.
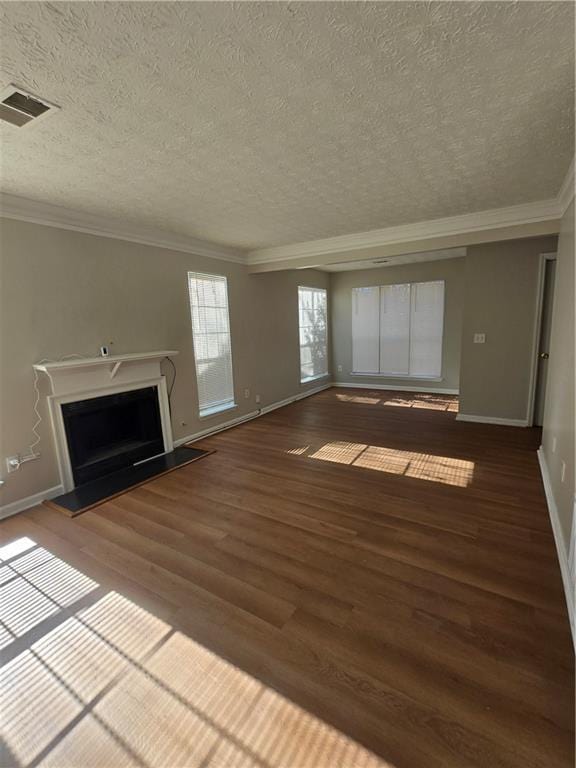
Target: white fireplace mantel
column 85, row 374
column 81, row 378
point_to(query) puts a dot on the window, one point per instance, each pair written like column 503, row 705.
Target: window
column 397, row 329
column 313, row 333
column 212, row 346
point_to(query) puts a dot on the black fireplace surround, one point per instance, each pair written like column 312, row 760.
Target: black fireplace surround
column 109, row 433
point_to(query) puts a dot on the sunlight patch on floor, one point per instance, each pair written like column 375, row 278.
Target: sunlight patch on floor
column 432, row 402
column 16, row 547
column 421, row 466
column 94, row 680
column 426, row 402
column 299, row 451
column 35, row 586
column 362, row 399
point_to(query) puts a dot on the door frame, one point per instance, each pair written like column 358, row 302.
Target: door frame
column 543, row 258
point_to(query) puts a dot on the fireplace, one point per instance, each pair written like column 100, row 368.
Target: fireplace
column 107, row 413
column 108, row 433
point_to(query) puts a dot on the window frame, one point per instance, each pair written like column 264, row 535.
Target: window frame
column 224, row 405
column 405, row 376
column 317, row 376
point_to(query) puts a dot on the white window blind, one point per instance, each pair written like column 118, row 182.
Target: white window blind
column 312, row 312
column 426, row 329
column 397, row 330
column 366, row 329
column 212, row 344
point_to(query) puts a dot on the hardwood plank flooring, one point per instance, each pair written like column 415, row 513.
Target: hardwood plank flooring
column 353, row 580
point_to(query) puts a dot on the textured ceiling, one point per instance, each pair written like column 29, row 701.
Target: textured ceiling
column 261, row 124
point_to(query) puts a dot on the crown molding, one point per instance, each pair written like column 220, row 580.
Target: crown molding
column 22, row 209
column 566, row 193
column 517, row 215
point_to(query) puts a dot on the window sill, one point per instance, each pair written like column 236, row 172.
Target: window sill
column 396, row 376
column 314, row 378
column 215, row 410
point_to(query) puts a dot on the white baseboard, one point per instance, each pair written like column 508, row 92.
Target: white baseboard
column 294, row 398
column 248, row 417
column 215, row 429
column 572, row 556
column 561, row 547
column 396, row 388
column 492, row 420
column 30, row 501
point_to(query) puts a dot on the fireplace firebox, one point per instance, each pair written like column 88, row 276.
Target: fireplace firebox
column 108, row 433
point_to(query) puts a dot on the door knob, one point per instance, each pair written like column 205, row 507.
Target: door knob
column 544, row 355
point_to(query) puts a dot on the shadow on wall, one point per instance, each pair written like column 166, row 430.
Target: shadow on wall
column 89, row 678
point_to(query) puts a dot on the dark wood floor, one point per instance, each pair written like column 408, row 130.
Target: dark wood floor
column 353, row 580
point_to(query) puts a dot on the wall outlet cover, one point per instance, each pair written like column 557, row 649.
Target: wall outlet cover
column 479, row 338
column 12, row 463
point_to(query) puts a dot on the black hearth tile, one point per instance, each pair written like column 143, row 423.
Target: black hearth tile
column 91, row 494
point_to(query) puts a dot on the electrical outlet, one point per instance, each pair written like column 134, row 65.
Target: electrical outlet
column 562, row 471
column 479, row 338
column 554, row 444
column 339, row 369
column 257, row 399
column 246, row 393
column 13, row 463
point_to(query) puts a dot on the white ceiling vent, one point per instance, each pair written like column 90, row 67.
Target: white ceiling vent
column 18, row 107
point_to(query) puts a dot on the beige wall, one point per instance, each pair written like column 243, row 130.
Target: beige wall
column 559, row 410
column 342, row 283
column 500, row 286
column 63, row 292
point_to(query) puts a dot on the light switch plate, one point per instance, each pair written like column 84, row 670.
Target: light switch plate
column 479, row 338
